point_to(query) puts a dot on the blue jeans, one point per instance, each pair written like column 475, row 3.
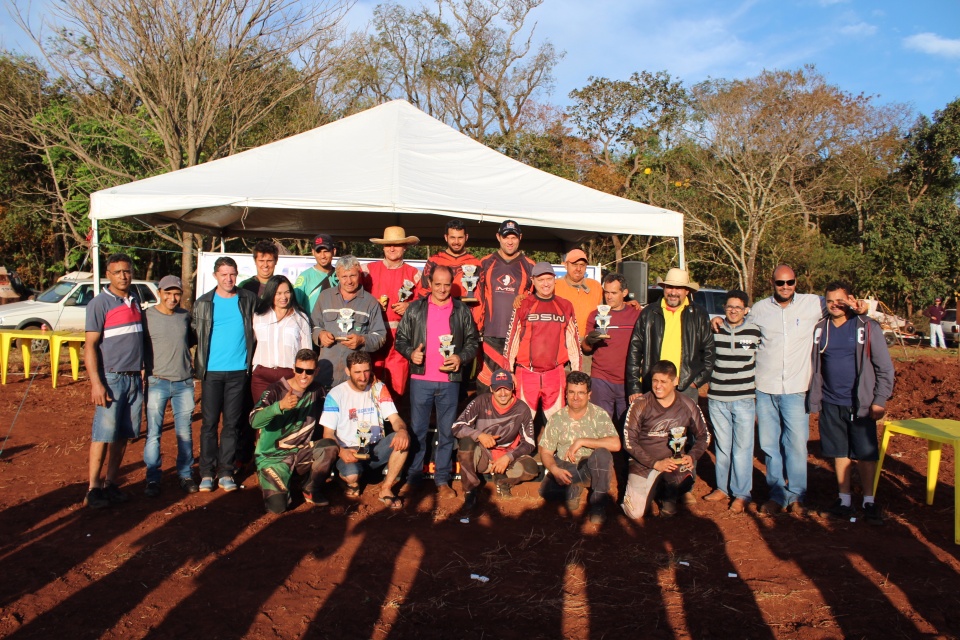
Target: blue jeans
column 784, row 428
column 733, row 432
column 424, row 396
column 180, row 395
column 120, row 418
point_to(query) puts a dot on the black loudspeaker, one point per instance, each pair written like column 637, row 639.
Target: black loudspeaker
column 636, row 274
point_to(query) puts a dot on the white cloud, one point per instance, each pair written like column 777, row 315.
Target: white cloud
column 858, row 29
column 933, row 44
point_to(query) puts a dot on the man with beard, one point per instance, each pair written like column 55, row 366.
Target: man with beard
column 454, row 256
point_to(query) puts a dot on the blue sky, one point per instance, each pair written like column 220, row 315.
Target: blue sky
column 905, row 51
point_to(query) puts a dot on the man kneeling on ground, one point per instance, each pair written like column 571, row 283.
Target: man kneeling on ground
column 657, row 437
column 577, row 447
column 286, row 416
column 353, row 414
column 495, row 434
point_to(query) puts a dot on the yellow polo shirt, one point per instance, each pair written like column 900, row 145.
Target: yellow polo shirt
column 672, row 346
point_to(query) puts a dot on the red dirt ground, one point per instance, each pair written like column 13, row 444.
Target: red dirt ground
column 215, row 566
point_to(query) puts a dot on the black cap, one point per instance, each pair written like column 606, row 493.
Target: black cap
column 323, row 241
column 509, row 226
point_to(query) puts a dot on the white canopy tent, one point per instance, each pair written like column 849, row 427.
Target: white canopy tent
column 390, row 165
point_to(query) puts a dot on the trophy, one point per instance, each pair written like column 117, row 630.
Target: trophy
column 345, row 323
column 446, row 349
column 406, row 291
column 603, row 319
column 677, row 443
column 363, row 435
column 469, row 281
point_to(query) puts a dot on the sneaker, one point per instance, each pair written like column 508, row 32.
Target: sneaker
column 188, row 485
column 152, row 490
column 771, row 508
column 445, row 491
column 739, row 505
column 316, row 498
column 505, row 489
column 873, row 513
column 838, row 510
column 95, row 499
column 668, row 508
column 114, row 494
column 207, row 485
column 227, row 483
column 715, row 496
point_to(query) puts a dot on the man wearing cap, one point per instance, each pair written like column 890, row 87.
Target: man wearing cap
column 504, row 277
column 454, row 256
column 265, row 256
column 345, row 319
column 169, row 375
column 576, row 448
column 582, row 292
column 936, row 312
column 435, row 377
column 495, row 435
column 384, row 280
column 676, row 330
column 542, row 340
column 319, row 277
column 113, row 357
column 223, row 323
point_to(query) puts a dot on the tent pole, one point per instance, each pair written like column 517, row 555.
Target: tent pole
column 683, row 260
column 95, row 254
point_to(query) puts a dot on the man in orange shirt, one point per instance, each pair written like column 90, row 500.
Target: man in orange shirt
column 582, row 292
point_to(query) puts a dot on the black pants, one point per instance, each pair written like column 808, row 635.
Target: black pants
column 223, row 392
column 593, row 471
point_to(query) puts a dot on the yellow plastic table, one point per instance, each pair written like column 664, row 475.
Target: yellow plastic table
column 73, row 340
column 937, row 433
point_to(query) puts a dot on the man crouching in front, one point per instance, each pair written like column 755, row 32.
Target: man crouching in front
column 657, row 436
column 286, row 416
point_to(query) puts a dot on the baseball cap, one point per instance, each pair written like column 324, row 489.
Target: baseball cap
column 501, row 378
column 170, row 282
column 509, row 226
column 542, row 268
column 576, row 255
column 323, row 241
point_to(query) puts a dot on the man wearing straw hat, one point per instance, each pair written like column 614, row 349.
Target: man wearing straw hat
column 676, row 330
column 384, row 280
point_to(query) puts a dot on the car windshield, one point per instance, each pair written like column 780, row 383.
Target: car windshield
column 57, row 292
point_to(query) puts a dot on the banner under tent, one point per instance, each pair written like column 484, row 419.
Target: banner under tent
column 389, row 165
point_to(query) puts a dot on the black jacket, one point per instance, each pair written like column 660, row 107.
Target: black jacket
column 203, row 325
column 696, row 344
column 412, row 332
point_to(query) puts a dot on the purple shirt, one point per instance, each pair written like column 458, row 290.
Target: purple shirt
column 610, row 356
column 438, row 324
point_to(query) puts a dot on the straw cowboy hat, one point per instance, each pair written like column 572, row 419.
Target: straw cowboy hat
column 679, row 278
column 395, row 235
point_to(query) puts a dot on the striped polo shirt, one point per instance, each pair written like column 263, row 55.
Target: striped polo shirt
column 118, row 321
column 733, row 374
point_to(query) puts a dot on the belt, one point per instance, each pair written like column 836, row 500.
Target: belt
column 126, row 373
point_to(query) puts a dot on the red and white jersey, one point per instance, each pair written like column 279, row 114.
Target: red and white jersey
column 543, row 335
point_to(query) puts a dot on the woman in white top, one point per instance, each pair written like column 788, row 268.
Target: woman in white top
column 281, row 328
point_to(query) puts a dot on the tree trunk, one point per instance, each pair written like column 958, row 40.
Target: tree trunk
column 186, row 270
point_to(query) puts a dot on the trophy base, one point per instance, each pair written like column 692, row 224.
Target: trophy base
column 341, row 338
column 362, row 454
column 604, row 336
column 447, row 369
column 468, row 299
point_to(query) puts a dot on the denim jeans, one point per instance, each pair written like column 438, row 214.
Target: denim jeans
column 180, row 395
column 733, row 433
column 424, row 396
column 936, row 332
column 223, row 392
column 784, row 428
column 120, row 418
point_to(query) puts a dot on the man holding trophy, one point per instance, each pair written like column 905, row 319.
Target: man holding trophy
column 438, row 336
column 465, row 265
column 659, row 427
column 346, row 319
column 353, row 414
column 394, row 284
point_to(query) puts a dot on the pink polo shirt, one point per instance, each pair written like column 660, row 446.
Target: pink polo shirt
column 438, row 324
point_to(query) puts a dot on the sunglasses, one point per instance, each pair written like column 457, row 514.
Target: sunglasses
column 309, row 372
column 787, row 283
